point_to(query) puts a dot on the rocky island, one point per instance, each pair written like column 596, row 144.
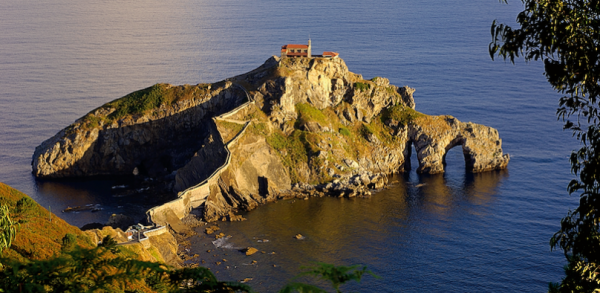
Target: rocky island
column 293, row 127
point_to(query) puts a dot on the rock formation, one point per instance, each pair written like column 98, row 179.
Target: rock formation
column 121, row 136
column 292, row 127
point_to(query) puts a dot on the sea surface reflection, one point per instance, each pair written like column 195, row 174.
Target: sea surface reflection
column 60, row 194
column 381, row 230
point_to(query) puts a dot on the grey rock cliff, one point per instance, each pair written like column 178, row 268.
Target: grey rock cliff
column 156, row 142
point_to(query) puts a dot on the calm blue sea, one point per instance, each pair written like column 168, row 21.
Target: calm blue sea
column 455, row 232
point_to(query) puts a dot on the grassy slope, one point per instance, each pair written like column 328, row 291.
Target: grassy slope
column 37, row 238
column 142, row 102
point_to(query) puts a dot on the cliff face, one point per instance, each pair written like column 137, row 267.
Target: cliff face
column 117, row 138
column 304, row 121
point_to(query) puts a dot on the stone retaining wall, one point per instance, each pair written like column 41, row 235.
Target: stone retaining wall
column 194, row 196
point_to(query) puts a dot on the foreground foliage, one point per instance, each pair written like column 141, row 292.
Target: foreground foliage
column 565, row 34
column 8, row 229
column 102, row 269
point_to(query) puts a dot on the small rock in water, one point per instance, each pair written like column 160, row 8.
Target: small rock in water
column 211, row 229
column 251, row 250
column 299, row 236
column 253, row 262
column 246, row 280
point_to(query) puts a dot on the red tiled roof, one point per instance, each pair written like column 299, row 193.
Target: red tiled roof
column 327, row 53
column 294, row 46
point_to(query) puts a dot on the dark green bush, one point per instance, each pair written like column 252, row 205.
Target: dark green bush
column 361, row 87
column 25, row 204
column 345, row 131
column 68, row 242
column 138, row 102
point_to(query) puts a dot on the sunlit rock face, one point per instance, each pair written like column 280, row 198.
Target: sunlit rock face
column 291, row 125
column 434, row 136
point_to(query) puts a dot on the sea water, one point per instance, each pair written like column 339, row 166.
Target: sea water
column 456, row 231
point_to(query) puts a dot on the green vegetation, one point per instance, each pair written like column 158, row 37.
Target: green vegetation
column 91, row 121
column 108, row 241
column 37, row 237
column 345, row 131
column 255, row 114
column 292, row 151
column 308, row 113
column 259, row 128
column 392, row 91
column 229, row 130
column 300, row 147
column 141, row 102
column 400, row 113
column 362, row 87
column 101, row 270
column 68, row 242
column 565, row 34
column 8, row 229
column 25, row 204
column 366, row 130
column 138, row 102
column 233, row 127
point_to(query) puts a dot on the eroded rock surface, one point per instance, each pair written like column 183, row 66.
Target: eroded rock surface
column 434, row 136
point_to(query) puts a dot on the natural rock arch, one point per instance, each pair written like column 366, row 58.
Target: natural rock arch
column 457, row 142
column 481, row 144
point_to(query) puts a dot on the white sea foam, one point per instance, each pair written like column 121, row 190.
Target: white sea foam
column 224, row 243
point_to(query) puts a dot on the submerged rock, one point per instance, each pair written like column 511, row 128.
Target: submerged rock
column 211, row 229
column 251, row 251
